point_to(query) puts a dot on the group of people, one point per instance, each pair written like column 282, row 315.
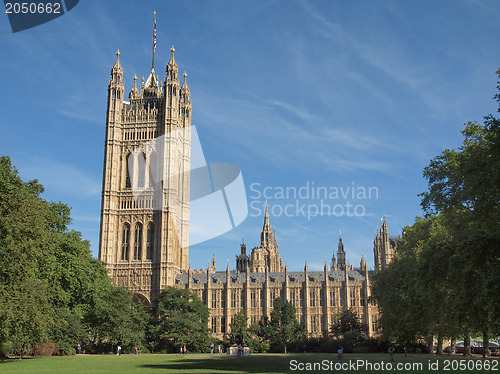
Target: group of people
column 219, row 349
column 119, row 350
column 183, row 350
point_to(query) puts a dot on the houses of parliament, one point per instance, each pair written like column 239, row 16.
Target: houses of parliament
column 144, row 232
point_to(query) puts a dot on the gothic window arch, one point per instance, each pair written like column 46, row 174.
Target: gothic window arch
column 138, row 241
column 153, row 169
column 125, row 242
column 150, row 241
column 141, row 169
column 128, row 171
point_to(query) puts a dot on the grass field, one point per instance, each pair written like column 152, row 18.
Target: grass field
column 174, row 363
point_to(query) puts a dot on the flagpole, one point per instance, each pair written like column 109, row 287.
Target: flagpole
column 154, row 42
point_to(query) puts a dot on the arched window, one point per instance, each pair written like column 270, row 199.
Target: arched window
column 149, row 241
column 141, row 169
column 138, row 241
column 125, row 242
column 128, row 172
column 154, row 169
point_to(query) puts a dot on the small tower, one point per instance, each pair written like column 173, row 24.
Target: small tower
column 333, row 265
column 212, row 264
column 134, row 92
column 341, row 262
column 171, row 87
column 185, row 102
column 384, row 246
column 242, row 258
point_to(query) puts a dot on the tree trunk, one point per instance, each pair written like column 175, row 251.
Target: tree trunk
column 467, row 346
column 439, row 348
column 285, row 348
column 430, row 343
column 486, row 343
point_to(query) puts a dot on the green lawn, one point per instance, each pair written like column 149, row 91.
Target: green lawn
column 174, row 363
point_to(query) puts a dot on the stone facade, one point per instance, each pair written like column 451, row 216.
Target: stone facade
column 318, row 296
column 144, row 234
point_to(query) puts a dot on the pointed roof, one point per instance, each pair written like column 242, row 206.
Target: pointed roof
column 117, row 63
column 266, row 218
column 184, row 84
column 172, row 63
column 341, row 245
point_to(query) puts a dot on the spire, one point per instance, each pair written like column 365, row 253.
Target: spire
column 172, row 63
column 116, row 70
column 184, row 84
column 213, row 263
column 134, row 93
column 266, row 217
column 117, row 63
column 172, row 59
column 341, row 260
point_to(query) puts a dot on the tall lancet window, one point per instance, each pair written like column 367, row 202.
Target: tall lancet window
column 153, row 169
column 125, row 242
column 138, row 241
column 128, row 172
column 149, row 241
column 141, row 169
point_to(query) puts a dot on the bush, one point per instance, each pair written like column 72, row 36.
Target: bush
column 5, row 348
column 44, row 349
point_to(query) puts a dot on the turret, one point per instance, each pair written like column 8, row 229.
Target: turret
column 266, row 237
column 116, row 88
column 341, row 262
column 134, row 92
column 171, row 87
column 333, row 265
column 185, row 103
column 213, row 263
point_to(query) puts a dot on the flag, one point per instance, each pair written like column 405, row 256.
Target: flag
column 154, row 37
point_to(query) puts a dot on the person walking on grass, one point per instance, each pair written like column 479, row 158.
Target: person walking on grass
column 340, row 355
column 391, row 352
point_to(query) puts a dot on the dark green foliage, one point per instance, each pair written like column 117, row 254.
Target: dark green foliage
column 239, row 325
column 349, row 328
column 180, row 318
column 282, row 329
column 51, row 290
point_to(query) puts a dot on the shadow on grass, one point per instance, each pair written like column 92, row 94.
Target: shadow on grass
column 252, row 364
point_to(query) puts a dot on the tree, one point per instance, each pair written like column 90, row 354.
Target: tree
column 180, row 318
column 24, row 238
column 51, row 289
column 239, row 324
column 349, row 327
column 282, row 328
column 464, row 186
column 416, row 293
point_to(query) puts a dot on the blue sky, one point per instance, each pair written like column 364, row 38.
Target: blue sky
column 335, row 94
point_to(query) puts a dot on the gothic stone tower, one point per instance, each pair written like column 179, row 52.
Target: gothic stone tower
column 145, row 196
column 384, row 247
column 267, row 256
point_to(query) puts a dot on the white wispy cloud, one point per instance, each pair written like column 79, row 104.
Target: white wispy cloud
column 60, row 177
